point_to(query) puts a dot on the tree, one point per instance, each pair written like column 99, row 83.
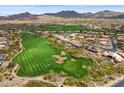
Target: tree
column 1, row 76
column 11, row 65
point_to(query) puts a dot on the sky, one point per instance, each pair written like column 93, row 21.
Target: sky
column 6, row 10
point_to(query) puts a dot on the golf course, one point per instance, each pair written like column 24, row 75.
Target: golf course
column 36, row 59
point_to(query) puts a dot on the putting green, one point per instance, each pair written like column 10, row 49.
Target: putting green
column 70, row 66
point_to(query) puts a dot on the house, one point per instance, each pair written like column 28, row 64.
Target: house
column 115, row 56
column 92, row 49
column 3, row 42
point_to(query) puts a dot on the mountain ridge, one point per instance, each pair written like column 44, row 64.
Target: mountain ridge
column 106, row 14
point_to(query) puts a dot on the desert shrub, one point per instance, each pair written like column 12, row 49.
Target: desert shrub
column 36, row 83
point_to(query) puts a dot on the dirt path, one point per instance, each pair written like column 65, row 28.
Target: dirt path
column 20, row 43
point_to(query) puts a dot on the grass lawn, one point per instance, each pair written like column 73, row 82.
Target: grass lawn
column 70, row 66
column 85, row 61
column 55, row 27
column 74, row 68
column 36, row 59
column 36, row 56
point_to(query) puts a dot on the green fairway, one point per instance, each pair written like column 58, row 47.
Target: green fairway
column 36, row 56
column 36, row 59
column 55, row 27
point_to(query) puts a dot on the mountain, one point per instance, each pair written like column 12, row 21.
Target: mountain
column 21, row 16
column 65, row 14
column 3, row 18
column 102, row 14
column 117, row 17
column 106, row 14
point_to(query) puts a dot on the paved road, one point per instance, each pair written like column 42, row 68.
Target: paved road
column 119, row 84
column 113, row 49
